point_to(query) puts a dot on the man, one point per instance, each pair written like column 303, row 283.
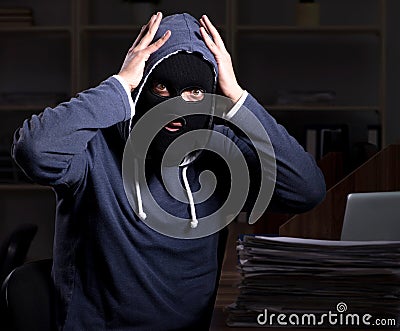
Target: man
column 111, row 270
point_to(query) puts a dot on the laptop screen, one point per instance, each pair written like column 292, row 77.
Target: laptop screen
column 372, row 216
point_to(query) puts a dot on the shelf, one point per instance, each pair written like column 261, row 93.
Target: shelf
column 268, row 107
column 36, row 29
column 332, row 29
column 122, row 28
column 111, row 28
column 320, row 108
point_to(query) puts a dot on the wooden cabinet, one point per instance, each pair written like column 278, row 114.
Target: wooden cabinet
column 322, row 76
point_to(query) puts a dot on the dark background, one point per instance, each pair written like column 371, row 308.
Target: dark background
column 73, row 45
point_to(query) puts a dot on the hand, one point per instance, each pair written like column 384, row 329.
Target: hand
column 226, row 75
column 135, row 60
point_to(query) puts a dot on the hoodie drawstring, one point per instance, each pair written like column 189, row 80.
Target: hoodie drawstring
column 142, row 214
column 194, row 222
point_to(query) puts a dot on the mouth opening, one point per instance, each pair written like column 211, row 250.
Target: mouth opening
column 175, row 125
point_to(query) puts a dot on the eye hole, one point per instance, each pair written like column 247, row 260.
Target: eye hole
column 193, row 94
column 160, row 89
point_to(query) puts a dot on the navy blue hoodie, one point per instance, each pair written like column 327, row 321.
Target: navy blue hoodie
column 110, row 270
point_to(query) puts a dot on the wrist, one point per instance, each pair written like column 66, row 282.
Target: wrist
column 235, row 94
column 125, row 83
column 128, row 91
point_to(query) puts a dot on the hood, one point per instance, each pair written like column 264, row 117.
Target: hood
column 185, row 37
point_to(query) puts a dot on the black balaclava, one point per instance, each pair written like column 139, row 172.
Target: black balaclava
column 178, row 72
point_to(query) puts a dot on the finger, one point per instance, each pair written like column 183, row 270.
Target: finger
column 208, row 41
column 160, row 42
column 142, row 32
column 204, row 25
column 155, row 23
column 152, row 29
column 213, row 31
column 143, row 41
column 206, row 30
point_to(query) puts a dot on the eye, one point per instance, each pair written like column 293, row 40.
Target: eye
column 193, row 94
column 160, row 89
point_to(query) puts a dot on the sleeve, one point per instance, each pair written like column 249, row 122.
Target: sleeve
column 300, row 184
column 51, row 147
column 128, row 93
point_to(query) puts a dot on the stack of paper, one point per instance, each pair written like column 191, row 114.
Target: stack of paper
column 305, row 282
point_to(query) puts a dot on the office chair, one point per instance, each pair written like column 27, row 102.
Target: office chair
column 14, row 249
column 26, row 301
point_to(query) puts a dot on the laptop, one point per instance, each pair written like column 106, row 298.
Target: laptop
column 372, row 216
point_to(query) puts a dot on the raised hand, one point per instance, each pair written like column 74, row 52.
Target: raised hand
column 226, row 75
column 135, row 60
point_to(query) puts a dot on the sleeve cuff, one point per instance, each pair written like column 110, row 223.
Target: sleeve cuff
column 236, row 106
column 128, row 93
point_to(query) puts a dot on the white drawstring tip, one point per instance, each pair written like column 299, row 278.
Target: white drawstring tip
column 142, row 215
column 193, row 224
